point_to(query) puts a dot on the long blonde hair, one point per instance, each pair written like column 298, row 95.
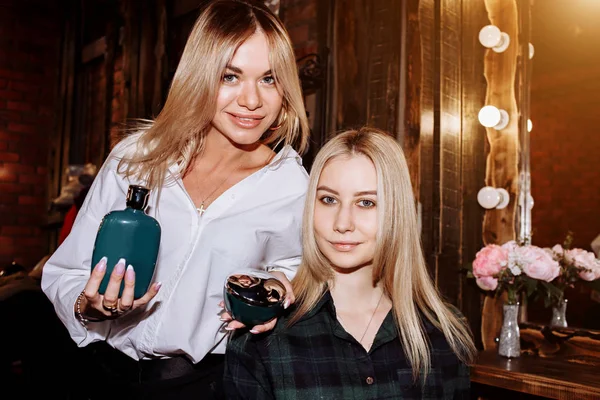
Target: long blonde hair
column 177, row 134
column 398, row 262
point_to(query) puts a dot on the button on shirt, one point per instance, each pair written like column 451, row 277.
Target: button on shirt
column 317, row 359
column 254, row 225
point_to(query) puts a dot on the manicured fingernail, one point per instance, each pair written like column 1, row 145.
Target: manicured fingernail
column 157, row 286
column 130, row 274
column 254, row 331
column 228, row 328
column 120, row 267
column 286, row 304
column 101, row 266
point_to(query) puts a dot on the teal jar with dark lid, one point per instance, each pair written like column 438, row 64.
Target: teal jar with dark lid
column 130, row 234
column 253, row 298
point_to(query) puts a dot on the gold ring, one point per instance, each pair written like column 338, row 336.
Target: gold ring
column 113, row 309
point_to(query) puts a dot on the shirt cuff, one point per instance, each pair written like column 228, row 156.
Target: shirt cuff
column 93, row 332
column 289, row 267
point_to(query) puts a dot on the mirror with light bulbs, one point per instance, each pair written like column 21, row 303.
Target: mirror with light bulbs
column 564, row 138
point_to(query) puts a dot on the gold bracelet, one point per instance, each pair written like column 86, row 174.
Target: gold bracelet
column 82, row 320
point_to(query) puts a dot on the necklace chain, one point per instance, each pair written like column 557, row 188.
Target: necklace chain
column 370, row 319
column 202, row 209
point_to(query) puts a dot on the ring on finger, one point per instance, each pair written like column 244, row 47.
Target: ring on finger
column 113, row 308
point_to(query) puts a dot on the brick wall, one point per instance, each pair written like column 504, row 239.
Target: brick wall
column 29, row 59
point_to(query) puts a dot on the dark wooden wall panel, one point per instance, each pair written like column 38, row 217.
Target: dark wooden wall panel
column 351, row 62
column 145, row 62
column 450, row 144
column 410, row 92
column 112, row 44
column 367, row 63
column 131, row 56
column 428, row 26
column 473, row 153
column 384, row 64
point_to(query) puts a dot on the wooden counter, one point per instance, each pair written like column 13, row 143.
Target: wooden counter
column 554, row 377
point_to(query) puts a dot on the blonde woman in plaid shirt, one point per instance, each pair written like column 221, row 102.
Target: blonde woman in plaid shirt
column 368, row 322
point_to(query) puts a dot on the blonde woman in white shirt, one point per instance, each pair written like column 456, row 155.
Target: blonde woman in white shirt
column 225, row 200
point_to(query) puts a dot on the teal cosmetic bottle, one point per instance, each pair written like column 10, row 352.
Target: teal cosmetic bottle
column 130, row 234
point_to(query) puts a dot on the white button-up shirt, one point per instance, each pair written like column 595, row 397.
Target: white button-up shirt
column 254, row 225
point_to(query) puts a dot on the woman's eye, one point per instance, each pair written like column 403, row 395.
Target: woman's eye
column 327, row 200
column 366, row 203
column 229, row 78
column 269, row 80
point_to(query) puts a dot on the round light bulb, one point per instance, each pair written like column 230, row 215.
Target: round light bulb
column 492, row 37
column 530, row 201
column 531, row 51
column 489, row 116
column 529, row 125
column 490, row 197
column 492, row 117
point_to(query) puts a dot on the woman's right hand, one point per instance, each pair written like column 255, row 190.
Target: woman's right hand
column 95, row 306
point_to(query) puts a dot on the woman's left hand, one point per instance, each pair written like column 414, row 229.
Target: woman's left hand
column 289, row 300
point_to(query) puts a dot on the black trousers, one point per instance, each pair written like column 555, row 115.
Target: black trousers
column 38, row 358
column 113, row 375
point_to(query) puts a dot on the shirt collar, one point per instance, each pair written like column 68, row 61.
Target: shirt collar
column 325, row 300
column 389, row 324
column 387, row 332
column 286, row 152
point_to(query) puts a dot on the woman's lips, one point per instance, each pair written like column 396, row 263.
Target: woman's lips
column 344, row 246
column 246, row 122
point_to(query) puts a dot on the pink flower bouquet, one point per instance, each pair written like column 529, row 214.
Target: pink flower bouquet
column 512, row 267
column 575, row 264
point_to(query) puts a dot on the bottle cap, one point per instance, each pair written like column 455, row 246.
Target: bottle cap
column 137, row 197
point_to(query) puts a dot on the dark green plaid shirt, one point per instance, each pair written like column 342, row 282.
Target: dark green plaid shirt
column 317, row 359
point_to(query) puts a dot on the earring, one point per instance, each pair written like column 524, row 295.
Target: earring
column 274, row 128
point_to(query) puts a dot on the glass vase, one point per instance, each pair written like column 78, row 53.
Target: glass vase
column 510, row 337
column 559, row 314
